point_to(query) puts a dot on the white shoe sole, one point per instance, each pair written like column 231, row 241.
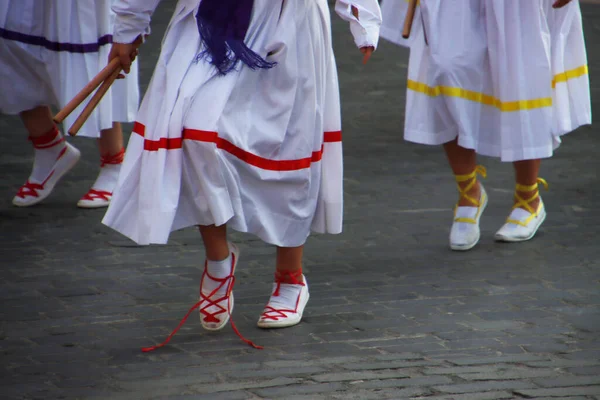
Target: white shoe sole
column 469, row 246
column 217, row 327
column 465, row 247
column 210, row 326
column 287, row 322
column 92, row 204
column 62, row 166
column 513, row 239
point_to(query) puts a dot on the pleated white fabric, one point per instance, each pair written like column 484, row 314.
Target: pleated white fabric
column 508, row 80
column 258, row 149
column 50, row 49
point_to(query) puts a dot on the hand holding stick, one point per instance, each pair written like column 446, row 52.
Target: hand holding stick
column 410, row 16
column 117, row 64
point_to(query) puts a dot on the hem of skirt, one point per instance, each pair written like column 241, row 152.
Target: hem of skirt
column 574, row 124
column 429, row 138
column 436, row 139
column 234, row 224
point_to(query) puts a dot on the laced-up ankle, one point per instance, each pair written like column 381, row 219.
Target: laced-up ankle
column 53, row 159
column 287, row 302
column 465, row 232
column 215, row 306
column 524, row 219
column 101, row 192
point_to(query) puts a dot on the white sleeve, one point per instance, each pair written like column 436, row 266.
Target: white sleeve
column 366, row 28
column 132, row 19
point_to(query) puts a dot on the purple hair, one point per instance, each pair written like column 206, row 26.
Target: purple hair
column 223, row 25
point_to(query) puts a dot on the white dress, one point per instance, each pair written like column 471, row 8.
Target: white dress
column 259, row 150
column 50, row 49
column 508, row 80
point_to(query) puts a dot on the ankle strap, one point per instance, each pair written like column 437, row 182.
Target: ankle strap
column 114, row 159
column 531, row 188
column 291, row 277
column 472, row 177
column 47, row 140
column 479, row 170
column 524, row 203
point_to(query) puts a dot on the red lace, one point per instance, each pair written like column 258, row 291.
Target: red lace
column 289, row 277
column 210, row 317
column 47, row 140
column 113, row 160
column 29, row 188
column 94, row 194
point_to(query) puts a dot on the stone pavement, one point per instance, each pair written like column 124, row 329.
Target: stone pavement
column 393, row 312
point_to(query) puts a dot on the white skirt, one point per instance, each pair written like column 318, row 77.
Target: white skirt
column 257, row 149
column 507, row 80
column 50, row 49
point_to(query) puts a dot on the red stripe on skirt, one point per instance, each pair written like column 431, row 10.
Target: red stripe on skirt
column 225, row 145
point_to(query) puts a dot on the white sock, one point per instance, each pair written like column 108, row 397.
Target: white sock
column 107, row 178
column 217, row 269
column 45, row 158
column 287, row 298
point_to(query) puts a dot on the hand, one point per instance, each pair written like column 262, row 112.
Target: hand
column 560, row 3
column 126, row 52
column 367, row 52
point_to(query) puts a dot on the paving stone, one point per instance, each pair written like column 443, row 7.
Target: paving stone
column 393, row 313
column 560, row 392
column 471, row 396
column 511, row 372
column 227, row 387
column 359, row 375
column 517, row 358
column 388, row 365
column 592, row 370
column 568, row 381
column 377, row 394
column 401, row 383
column 485, row 386
column 292, row 372
column 307, row 390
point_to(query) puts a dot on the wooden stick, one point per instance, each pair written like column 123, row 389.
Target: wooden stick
column 410, row 16
column 87, row 111
column 88, row 89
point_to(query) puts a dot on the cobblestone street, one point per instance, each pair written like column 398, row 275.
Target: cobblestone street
column 393, row 314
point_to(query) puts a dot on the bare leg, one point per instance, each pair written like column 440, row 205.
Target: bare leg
column 215, row 242
column 289, row 262
column 111, row 140
column 526, row 173
column 463, row 162
column 38, row 121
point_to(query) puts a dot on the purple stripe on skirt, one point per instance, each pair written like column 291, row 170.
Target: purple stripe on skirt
column 55, row 46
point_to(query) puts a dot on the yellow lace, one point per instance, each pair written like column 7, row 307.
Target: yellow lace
column 525, row 203
column 472, row 179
